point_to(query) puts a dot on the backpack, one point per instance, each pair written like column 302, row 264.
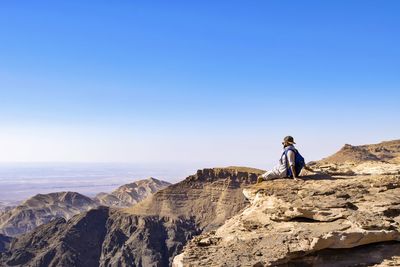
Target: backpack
column 299, row 162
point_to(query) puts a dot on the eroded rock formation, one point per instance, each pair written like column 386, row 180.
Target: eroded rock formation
column 289, row 222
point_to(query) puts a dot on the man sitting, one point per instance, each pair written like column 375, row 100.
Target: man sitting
column 290, row 163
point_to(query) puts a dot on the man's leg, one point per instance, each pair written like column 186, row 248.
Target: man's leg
column 269, row 175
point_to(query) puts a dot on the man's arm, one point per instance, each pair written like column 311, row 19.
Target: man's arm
column 291, row 163
column 293, row 172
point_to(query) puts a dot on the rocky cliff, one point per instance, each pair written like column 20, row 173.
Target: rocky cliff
column 132, row 193
column 41, row 209
column 327, row 219
column 150, row 233
column 209, row 197
column 323, row 222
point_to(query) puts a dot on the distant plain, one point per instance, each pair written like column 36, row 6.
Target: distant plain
column 19, row 181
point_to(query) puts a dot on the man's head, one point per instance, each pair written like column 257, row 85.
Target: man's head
column 288, row 140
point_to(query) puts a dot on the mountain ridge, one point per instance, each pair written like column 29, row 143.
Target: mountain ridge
column 132, row 193
column 138, row 236
column 385, row 151
column 42, row 208
column 373, row 159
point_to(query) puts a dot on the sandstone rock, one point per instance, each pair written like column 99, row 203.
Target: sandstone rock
column 289, row 222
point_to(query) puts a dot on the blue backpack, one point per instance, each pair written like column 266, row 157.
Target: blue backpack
column 299, row 162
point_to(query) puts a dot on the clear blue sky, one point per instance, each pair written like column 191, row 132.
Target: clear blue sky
column 210, row 82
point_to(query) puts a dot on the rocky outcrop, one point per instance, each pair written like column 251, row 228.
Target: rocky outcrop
column 129, row 194
column 150, row 233
column 375, row 159
column 307, row 223
column 4, row 242
column 210, row 196
column 41, row 209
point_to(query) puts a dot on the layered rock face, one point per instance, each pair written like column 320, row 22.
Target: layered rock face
column 132, row 193
column 150, row 233
column 210, row 196
column 307, row 223
column 41, row 209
